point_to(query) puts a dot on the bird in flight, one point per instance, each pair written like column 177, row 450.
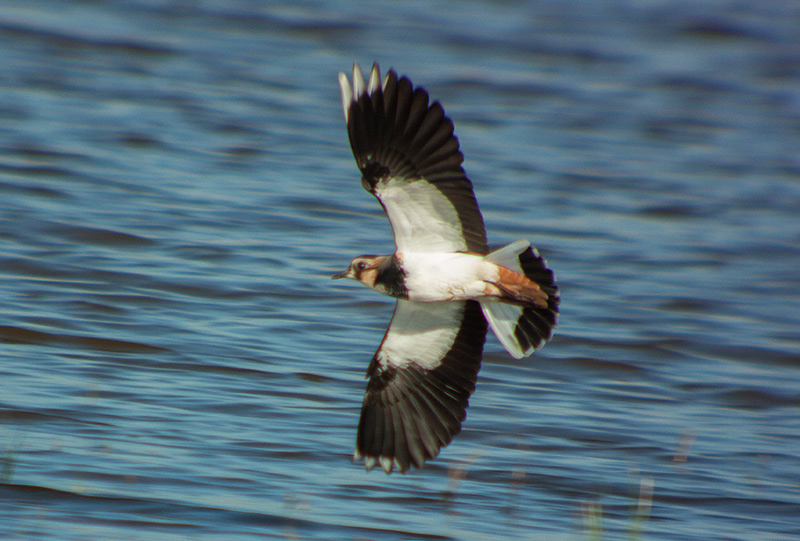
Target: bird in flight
column 447, row 282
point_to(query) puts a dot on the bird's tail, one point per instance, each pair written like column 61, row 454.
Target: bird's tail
column 525, row 316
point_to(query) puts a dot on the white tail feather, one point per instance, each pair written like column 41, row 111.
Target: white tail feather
column 508, row 256
column 503, row 319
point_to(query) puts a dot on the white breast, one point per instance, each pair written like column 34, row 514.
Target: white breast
column 432, row 277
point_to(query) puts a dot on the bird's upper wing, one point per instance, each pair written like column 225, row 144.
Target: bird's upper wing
column 410, row 160
column 420, row 381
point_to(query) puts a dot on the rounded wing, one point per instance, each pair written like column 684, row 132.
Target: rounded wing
column 410, row 160
column 420, row 381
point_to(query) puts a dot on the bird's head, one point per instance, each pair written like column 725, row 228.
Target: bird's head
column 363, row 268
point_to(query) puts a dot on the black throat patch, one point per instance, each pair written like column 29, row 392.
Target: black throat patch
column 392, row 277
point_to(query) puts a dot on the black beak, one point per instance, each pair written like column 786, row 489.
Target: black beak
column 344, row 274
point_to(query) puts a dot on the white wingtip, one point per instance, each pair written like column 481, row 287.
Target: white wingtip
column 374, row 79
column 347, row 94
column 387, row 463
column 351, row 94
column 358, row 81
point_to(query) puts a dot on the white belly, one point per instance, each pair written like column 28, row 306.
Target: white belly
column 432, row 277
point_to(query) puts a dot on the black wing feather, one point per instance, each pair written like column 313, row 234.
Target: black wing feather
column 409, row 413
column 397, row 133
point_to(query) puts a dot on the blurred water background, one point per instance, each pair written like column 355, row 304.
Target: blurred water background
column 176, row 189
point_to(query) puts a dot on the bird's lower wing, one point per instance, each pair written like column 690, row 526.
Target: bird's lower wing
column 420, row 381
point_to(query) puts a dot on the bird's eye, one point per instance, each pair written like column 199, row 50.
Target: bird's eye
column 361, row 266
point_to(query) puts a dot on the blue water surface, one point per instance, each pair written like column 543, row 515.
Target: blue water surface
column 176, row 188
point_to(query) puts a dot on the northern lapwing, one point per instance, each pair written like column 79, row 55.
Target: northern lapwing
column 447, row 283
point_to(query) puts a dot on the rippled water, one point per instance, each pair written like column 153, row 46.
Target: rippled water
column 176, row 188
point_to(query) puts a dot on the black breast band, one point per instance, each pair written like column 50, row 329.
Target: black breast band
column 392, row 276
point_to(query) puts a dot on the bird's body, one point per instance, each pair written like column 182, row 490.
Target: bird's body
column 449, row 287
column 443, row 276
column 435, row 277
